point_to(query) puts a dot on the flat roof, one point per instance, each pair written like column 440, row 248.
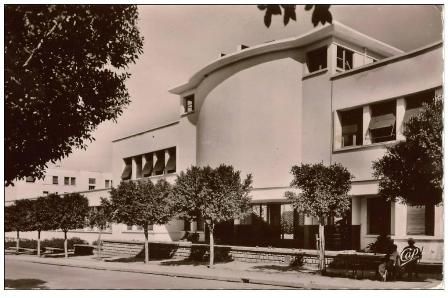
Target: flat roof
column 335, row 29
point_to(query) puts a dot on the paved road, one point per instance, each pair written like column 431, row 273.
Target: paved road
column 25, row 275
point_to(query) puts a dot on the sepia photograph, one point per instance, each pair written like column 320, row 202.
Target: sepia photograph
column 223, row 147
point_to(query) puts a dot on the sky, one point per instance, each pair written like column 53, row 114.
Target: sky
column 180, row 40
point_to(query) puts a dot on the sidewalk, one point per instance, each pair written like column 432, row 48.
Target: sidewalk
column 254, row 273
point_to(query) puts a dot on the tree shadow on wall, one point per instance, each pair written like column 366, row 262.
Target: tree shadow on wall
column 25, row 283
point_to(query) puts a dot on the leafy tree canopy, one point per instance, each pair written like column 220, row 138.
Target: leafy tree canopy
column 142, row 203
column 18, row 216
column 321, row 13
column 102, row 215
column 324, row 189
column 65, row 72
column 70, row 211
column 213, row 194
column 412, row 170
column 41, row 215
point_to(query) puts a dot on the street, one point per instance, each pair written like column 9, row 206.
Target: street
column 21, row 274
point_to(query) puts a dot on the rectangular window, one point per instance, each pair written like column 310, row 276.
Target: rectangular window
column 129, row 227
column 92, row 181
column 66, row 180
column 55, row 180
column 127, row 171
column 73, row 180
column 382, row 122
column 171, row 164
column 414, row 103
column 420, row 220
column 30, row 179
column 138, row 166
column 45, row 192
column 91, row 187
column 159, row 167
column 189, row 103
column 344, row 59
column 107, row 183
column 200, row 225
column 316, row 59
column 351, row 125
column 147, row 169
column 187, row 225
column 378, row 216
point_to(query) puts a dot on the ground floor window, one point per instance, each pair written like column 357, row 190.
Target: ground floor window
column 420, row 220
column 378, row 216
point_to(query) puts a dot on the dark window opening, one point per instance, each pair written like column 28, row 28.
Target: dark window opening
column 147, row 169
column 159, row 167
column 91, row 187
column 189, row 104
column 171, row 164
column 382, row 122
column 351, row 125
column 138, row 167
column 378, row 216
column 92, row 181
column 344, row 58
column 316, row 59
column 127, row 172
column 66, row 180
column 55, row 180
column 30, row 179
column 73, row 180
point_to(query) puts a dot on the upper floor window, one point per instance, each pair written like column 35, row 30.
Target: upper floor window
column 351, row 125
column 316, row 59
column 147, row 168
column 73, row 180
column 107, row 183
column 66, row 180
column 159, row 167
column 127, row 171
column 189, row 103
column 344, row 59
column 30, row 179
column 382, row 122
column 171, row 164
column 414, row 103
column 92, row 181
column 138, row 166
column 55, row 180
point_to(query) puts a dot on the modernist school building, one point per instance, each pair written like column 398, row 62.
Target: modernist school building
column 333, row 95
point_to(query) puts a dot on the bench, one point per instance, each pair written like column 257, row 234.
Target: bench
column 83, row 249
column 52, row 250
column 355, row 263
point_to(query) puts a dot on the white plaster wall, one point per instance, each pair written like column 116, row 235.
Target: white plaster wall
column 252, row 120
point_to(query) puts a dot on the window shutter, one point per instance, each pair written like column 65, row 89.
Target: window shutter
column 415, row 220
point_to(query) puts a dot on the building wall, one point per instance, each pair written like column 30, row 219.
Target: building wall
column 23, row 189
column 233, row 126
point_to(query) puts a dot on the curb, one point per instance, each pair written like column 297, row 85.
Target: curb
column 240, row 279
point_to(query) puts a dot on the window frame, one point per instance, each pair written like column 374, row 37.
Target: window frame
column 344, row 58
column 315, row 54
column 55, row 180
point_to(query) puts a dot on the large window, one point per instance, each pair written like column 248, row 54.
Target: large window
column 415, row 102
column 159, row 167
column 378, row 216
column 171, row 164
column 351, row 125
column 382, row 122
column 344, row 59
column 316, row 59
column 420, row 220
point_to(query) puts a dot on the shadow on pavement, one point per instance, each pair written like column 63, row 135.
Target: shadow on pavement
column 183, row 262
column 25, row 283
column 279, row 268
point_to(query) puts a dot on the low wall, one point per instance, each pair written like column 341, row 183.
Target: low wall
column 188, row 250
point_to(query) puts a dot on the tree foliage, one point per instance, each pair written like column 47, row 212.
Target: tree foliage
column 101, row 217
column 324, row 189
column 412, row 170
column 212, row 194
column 142, row 203
column 215, row 195
column 70, row 211
column 65, row 72
column 321, row 13
column 18, row 216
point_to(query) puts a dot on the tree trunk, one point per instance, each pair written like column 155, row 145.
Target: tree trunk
column 38, row 244
column 212, row 244
column 65, row 245
column 99, row 243
column 17, row 241
column 146, row 245
column 321, row 246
